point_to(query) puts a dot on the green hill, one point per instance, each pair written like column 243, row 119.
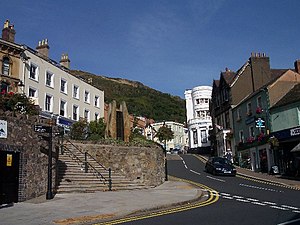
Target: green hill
column 140, row 99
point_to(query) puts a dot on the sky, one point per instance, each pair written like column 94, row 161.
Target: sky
column 168, row 45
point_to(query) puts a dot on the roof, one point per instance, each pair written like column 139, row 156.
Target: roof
column 228, row 76
column 292, row 96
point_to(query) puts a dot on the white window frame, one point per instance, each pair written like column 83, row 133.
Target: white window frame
column 86, row 115
column 34, row 90
column 76, row 93
column 36, row 72
column 51, row 80
column 49, row 105
column 86, row 96
column 203, row 136
column 96, row 102
column 97, row 116
column 249, row 108
column 259, row 102
column 251, row 131
column 63, row 108
column 65, row 91
column 75, row 110
column 241, row 136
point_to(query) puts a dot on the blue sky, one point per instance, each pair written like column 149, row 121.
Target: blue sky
column 168, row 45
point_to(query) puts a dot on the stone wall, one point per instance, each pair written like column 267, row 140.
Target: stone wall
column 33, row 163
column 142, row 164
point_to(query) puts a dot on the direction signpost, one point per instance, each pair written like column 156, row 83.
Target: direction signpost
column 47, row 129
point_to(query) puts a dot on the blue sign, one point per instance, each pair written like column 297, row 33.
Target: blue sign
column 260, row 123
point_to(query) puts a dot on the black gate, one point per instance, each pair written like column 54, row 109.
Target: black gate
column 9, row 176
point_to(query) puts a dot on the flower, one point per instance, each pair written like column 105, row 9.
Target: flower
column 259, row 110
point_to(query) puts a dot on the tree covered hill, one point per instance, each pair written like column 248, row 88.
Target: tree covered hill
column 140, row 99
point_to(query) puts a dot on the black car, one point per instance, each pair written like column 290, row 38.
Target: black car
column 219, row 165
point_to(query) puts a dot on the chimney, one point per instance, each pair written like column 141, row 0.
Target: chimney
column 8, row 32
column 65, row 61
column 297, row 65
column 43, row 48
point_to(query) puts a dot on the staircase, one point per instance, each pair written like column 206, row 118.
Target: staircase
column 80, row 172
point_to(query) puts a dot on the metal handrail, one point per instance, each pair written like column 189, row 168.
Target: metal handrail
column 87, row 164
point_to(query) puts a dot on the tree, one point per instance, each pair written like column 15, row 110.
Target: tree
column 97, row 129
column 164, row 134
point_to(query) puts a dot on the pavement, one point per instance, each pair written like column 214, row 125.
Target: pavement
column 89, row 208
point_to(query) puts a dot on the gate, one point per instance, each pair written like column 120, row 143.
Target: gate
column 9, row 176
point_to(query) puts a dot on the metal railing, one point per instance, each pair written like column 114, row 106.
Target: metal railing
column 88, row 165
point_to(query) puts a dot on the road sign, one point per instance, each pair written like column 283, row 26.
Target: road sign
column 260, row 123
column 42, row 129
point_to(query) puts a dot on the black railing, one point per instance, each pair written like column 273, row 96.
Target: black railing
column 88, row 165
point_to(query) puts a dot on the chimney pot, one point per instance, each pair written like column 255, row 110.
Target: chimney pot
column 8, row 32
column 65, row 61
column 297, row 65
column 43, row 48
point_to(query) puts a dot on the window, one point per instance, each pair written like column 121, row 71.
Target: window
column 249, row 110
column 75, row 112
column 32, row 93
column 87, row 115
column 203, row 136
column 96, row 116
column 33, row 73
column 239, row 117
column 87, row 96
column 48, row 103
column 197, row 101
column 97, row 101
column 225, row 94
column 5, row 66
column 259, row 102
column 62, row 111
column 49, row 79
column 195, row 136
column 251, row 131
column 241, row 134
column 75, row 92
column 63, row 86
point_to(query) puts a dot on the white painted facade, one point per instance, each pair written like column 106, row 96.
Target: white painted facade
column 198, row 116
column 57, row 92
column 180, row 135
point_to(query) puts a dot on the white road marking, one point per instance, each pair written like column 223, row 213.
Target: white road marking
column 215, row 178
column 184, row 164
column 226, row 194
column 289, row 222
column 252, row 200
column 195, row 172
column 260, row 188
column 242, row 200
column 277, row 207
column 227, row 197
column 236, row 196
column 258, row 203
column 289, row 207
column 296, row 211
column 270, row 203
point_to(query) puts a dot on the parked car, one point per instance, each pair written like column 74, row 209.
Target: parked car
column 220, row 166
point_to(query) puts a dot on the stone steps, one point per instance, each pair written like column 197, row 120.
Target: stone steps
column 72, row 176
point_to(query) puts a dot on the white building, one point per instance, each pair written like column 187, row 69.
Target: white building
column 58, row 93
column 55, row 90
column 180, row 135
column 198, row 117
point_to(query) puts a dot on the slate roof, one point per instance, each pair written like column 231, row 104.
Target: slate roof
column 292, row 96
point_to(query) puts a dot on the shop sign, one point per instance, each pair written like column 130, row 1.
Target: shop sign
column 42, row 129
column 8, row 159
column 295, row 132
column 3, row 129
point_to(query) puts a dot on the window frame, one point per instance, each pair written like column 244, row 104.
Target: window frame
column 75, row 110
column 36, row 72
column 75, row 93
column 64, row 109
column 6, row 64
column 49, row 105
column 51, row 80
column 65, row 86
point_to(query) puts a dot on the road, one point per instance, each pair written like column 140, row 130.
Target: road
column 237, row 200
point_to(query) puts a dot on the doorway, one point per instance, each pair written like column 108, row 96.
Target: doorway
column 9, row 176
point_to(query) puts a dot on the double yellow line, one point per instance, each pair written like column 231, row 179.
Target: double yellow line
column 213, row 197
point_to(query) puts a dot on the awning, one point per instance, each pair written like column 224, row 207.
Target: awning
column 296, row 148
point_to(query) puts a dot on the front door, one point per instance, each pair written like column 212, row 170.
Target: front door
column 9, row 176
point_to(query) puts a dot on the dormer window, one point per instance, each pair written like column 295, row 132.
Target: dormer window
column 5, row 66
